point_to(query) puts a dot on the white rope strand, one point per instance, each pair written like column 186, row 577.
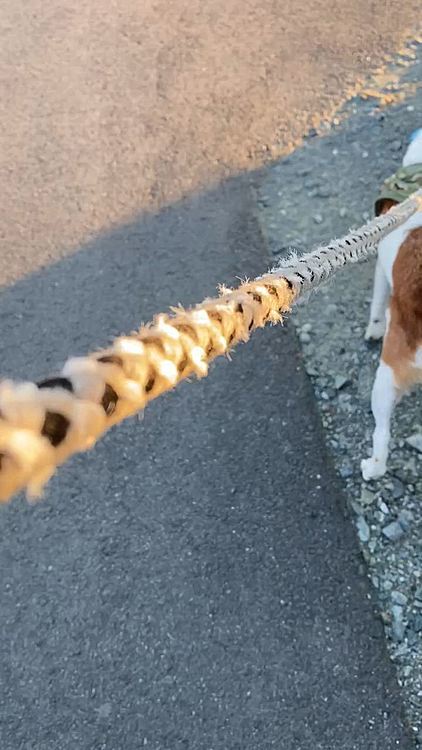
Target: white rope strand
column 42, row 424
column 311, row 270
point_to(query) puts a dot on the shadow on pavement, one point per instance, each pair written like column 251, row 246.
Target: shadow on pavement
column 194, row 582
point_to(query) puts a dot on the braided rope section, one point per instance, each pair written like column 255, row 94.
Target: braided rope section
column 42, row 424
column 309, row 271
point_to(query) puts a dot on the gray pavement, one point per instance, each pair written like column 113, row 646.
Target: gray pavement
column 195, row 582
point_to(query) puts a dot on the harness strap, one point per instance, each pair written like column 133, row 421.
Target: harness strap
column 400, row 185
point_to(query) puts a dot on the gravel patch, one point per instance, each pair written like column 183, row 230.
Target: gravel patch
column 319, row 192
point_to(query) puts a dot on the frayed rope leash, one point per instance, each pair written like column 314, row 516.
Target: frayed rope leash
column 42, row 424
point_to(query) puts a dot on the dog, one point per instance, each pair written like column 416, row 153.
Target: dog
column 396, row 308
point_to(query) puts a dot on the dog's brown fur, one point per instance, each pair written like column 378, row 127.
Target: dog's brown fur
column 404, row 334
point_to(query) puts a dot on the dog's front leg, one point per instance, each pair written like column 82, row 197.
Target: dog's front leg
column 385, row 395
column 381, row 293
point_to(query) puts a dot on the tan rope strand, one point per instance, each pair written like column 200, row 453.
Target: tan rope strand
column 42, row 424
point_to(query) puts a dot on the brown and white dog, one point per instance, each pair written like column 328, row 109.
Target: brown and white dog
column 396, row 315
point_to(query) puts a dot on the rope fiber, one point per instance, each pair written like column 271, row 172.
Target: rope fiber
column 42, row 424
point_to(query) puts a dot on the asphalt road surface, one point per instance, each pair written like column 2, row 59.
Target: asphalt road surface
column 195, row 582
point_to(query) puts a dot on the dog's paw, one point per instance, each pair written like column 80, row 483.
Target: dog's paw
column 375, row 330
column 372, row 469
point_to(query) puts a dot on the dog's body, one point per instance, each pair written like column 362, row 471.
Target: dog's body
column 396, row 314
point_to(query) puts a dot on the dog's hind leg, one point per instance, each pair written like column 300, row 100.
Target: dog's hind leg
column 377, row 323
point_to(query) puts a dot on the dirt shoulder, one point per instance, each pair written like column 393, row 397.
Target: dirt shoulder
column 116, row 108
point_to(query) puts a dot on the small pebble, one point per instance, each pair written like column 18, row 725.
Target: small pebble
column 398, row 626
column 366, row 497
column 312, row 371
column 346, row 470
column 304, row 337
column 411, row 466
column 393, row 531
column 415, row 441
column 398, row 489
column 412, row 639
column 398, row 630
column 405, row 518
column 397, row 611
column 357, row 508
column 363, row 529
column 398, row 598
column 417, row 623
column 340, row 381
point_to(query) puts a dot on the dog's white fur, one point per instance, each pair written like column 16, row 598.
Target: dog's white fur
column 387, row 390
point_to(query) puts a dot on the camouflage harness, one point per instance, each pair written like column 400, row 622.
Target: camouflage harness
column 400, row 185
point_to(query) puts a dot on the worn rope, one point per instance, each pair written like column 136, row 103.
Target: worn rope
column 42, row 424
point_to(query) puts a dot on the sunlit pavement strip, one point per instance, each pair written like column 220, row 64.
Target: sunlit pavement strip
column 316, row 194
